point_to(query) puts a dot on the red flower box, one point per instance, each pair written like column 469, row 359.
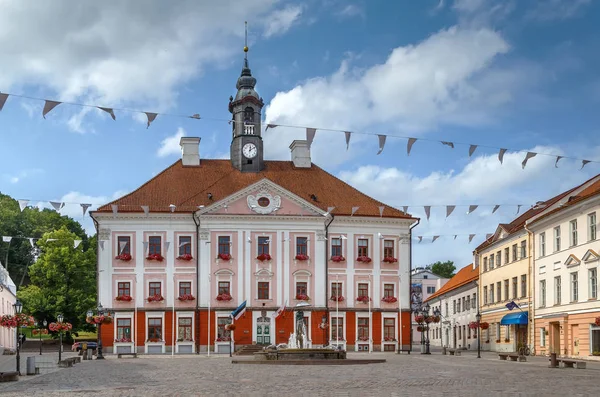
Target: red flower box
column 484, row 325
column 473, row 325
column 123, row 257
column 123, row 340
column 419, row 318
column 225, row 257
column 363, row 299
column 60, row 327
column 337, row 258
column 597, row 321
column 363, row 338
column 185, row 257
column 389, row 259
column 264, row 257
column 302, row 257
column 389, row 299
column 99, row 320
column 224, row 339
column 224, row 297
column 337, row 298
column 186, row 297
column 155, row 298
column 302, row 297
column 363, row 259
column 389, row 339
column 155, row 257
column 124, row 298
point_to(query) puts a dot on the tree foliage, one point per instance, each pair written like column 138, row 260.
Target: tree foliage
column 442, row 269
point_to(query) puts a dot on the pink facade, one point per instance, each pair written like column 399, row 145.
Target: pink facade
column 117, row 263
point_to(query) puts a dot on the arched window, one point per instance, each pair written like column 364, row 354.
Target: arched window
column 248, row 115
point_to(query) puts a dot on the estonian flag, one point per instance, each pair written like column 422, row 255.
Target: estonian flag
column 280, row 310
column 239, row 312
column 511, row 305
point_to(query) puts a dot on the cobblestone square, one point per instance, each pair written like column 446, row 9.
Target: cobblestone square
column 401, row 375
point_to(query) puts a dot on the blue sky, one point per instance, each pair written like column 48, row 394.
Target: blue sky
column 511, row 74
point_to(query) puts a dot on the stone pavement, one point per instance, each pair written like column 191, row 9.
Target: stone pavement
column 401, row 375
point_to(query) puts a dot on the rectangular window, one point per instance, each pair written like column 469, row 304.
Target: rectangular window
column 498, row 259
column 225, row 245
column 593, row 277
column 185, row 288
column 514, row 252
column 473, row 301
column 363, row 329
column 301, row 288
column 485, row 295
column 154, row 245
column 458, row 305
column 468, row 305
column 124, row 329
column 388, row 290
column 543, row 337
column 388, row 248
column 301, row 246
column 184, row 329
column 506, row 255
column 155, row 329
column 542, row 244
column 542, row 293
column 485, row 264
column 123, row 289
column 337, row 328
column 557, row 290
column 595, row 339
column 523, row 286
column 363, row 247
column 507, row 333
column 124, row 245
column 389, row 329
column 498, row 291
column 222, row 333
column 446, row 309
column 154, row 288
column 336, row 246
column 492, row 300
column 514, row 288
column 263, row 246
column 185, row 245
column 224, row 287
column 336, row 289
column 431, row 290
column 459, row 335
column 574, row 287
column 363, row 289
column 454, row 306
column 592, row 226
column 263, row 290
column 491, row 261
column 573, row 234
column 506, row 289
column 464, row 305
column 557, row 239
column 523, row 249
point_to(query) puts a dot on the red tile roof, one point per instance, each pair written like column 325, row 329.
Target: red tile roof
column 463, row 277
column 188, row 187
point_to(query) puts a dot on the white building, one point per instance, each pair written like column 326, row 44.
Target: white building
column 8, row 296
column 457, row 302
column 424, row 283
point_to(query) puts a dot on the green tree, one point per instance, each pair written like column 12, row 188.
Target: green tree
column 63, row 280
column 442, row 269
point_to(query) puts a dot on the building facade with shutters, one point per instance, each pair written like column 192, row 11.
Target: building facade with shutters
column 180, row 253
column 8, row 296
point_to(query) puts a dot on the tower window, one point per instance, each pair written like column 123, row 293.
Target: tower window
column 249, row 161
column 249, row 115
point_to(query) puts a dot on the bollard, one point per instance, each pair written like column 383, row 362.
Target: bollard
column 31, row 366
column 89, row 354
column 553, row 362
column 84, row 354
column 444, row 350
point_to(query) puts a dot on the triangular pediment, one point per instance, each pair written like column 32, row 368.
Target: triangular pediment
column 500, row 233
column 572, row 260
column 590, row 256
column 263, row 198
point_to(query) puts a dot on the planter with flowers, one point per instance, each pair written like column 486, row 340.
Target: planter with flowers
column 224, row 339
column 155, row 340
column 497, row 340
column 224, row 297
column 337, row 298
column 100, row 319
column 363, row 299
column 338, row 258
column 185, row 257
column 390, row 259
column 421, row 328
column 42, row 331
column 155, row 257
column 123, row 340
column 155, row 298
column 473, row 325
column 17, row 320
column 364, row 259
column 124, row 298
column 597, row 321
column 123, row 257
column 230, row 327
column 419, row 318
column 389, row 339
column 224, row 257
column 60, row 327
column 302, row 297
column 336, row 339
column 506, row 340
column 302, row 257
column 389, row 299
column 363, row 338
column 264, row 257
column 186, row 297
column 484, row 325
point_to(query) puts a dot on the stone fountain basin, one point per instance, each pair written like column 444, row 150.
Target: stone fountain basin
column 300, row 354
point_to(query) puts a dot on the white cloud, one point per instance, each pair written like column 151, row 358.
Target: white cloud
column 351, row 10
column 170, row 145
column 24, row 174
column 280, row 21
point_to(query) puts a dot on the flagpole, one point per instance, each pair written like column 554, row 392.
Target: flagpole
column 370, row 319
column 173, row 322
column 400, row 310
column 208, row 326
column 337, row 309
column 135, row 319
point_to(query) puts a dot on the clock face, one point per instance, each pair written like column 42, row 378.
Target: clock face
column 249, row 150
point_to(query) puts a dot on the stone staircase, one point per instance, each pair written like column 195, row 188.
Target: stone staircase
column 249, row 350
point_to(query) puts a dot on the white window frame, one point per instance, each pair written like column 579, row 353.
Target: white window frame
column 543, row 337
column 124, row 316
column 303, row 276
column 542, row 244
column 184, row 343
column 393, row 316
column 307, row 237
column 592, row 226
column 574, row 281
column 542, row 293
column 222, row 275
column 573, row 233
column 149, row 315
column 342, row 245
column 593, row 283
column 264, row 276
column 342, row 282
column 557, row 290
column 557, row 239
column 341, row 315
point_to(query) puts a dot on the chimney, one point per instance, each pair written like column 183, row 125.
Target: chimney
column 300, row 154
column 189, row 151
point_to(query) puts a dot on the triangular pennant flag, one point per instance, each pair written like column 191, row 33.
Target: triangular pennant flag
column 518, row 208
column 76, row 243
column 115, row 208
column 557, row 159
column 23, row 204
column 427, row 211
column 420, row 238
column 6, row 239
column 197, row 117
column 488, row 236
column 310, row 135
column 122, row 245
column 496, row 208
column 354, row 209
column 381, row 211
column 84, row 208
column 434, row 238
column 381, row 143
column 501, row 155
column 146, row 209
column 3, row 98
column 448, row 144
column 584, row 162
column 527, row 157
column 472, row 149
column 405, row 209
column 109, row 111
column 472, row 208
column 449, row 209
column 31, row 242
column 57, row 205
column 151, row 117
column 101, row 242
column 48, row 106
column 411, row 142
column 167, row 245
column 330, row 209
column 471, row 237
column 270, row 126
column 145, row 245
column 348, row 133
column 456, row 235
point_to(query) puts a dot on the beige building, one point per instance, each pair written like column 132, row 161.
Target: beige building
column 567, row 255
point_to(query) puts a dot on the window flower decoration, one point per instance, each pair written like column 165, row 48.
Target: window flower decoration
column 225, row 257
column 302, row 257
column 337, row 298
column 124, row 298
column 335, row 338
column 506, row 340
column 389, row 339
column 390, row 259
column 155, row 298
column 473, row 325
column 302, row 297
column 224, row 297
column 123, row 340
column 264, row 257
column 186, row 297
column 338, row 258
column 389, row 299
column 224, row 339
column 363, row 299
column 185, row 257
column 154, row 340
column 155, row 257
column 124, row 257
column 363, row 338
column 484, row 325
column 363, row 259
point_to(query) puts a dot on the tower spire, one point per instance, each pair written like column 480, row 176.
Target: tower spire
column 246, row 42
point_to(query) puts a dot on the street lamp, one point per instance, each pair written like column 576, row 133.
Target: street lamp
column 478, row 317
column 40, row 330
column 100, row 313
column 60, row 318
column 18, row 306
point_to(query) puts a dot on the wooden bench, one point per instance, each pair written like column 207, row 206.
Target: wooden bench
column 120, row 355
column 570, row 363
column 9, row 376
column 69, row 362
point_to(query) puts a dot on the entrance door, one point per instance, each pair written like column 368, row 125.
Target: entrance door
column 454, row 338
column 555, row 338
column 575, row 339
column 263, row 331
column 447, row 337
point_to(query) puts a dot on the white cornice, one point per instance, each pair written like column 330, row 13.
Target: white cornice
column 564, row 213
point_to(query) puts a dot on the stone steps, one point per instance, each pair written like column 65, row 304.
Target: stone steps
column 249, row 350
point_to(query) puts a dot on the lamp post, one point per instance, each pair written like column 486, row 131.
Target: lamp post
column 478, row 317
column 18, row 306
column 60, row 319
column 40, row 329
column 100, row 313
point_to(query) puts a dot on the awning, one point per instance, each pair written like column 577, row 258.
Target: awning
column 520, row 318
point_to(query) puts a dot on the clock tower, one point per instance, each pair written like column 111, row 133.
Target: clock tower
column 246, row 144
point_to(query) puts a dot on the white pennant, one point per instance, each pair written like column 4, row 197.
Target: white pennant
column 3, row 98
column 405, row 209
column 381, row 211
column 23, row 204
column 330, row 209
column 31, row 242
column 434, row 238
column 427, row 211
column 472, row 208
column 84, row 208
column 57, row 205
column 471, row 237
column 557, row 159
column 197, row 117
column 270, row 126
column 48, row 106
column 122, row 245
column 146, row 209
column 115, row 208
column 109, row 111
column 145, row 244
column 583, row 163
column 448, row 144
column 6, row 239
column 76, row 243
column 501, row 155
column 488, row 236
column 496, row 208
column 167, row 245
column 151, row 118
column 381, row 143
column 456, row 235
column 310, row 135
column 472, row 149
column 527, row 157
column 101, row 242
column 348, row 133
column 411, row 142
column 354, row 209
column 449, row 209
column 420, row 238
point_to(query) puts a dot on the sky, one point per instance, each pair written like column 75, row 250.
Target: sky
column 520, row 75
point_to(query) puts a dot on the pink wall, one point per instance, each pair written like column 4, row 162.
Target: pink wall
column 116, row 278
column 191, row 277
column 148, row 277
column 240, row 206
column 298, row 267
column 362, row 265
column 268, row 265
column 115, row 249
column 163, row 236
column 174, row 252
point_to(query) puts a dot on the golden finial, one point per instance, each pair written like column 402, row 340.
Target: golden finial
column 246, row 38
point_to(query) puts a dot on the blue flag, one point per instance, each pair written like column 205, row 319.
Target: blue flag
column 241, row 309
column 512, row 305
